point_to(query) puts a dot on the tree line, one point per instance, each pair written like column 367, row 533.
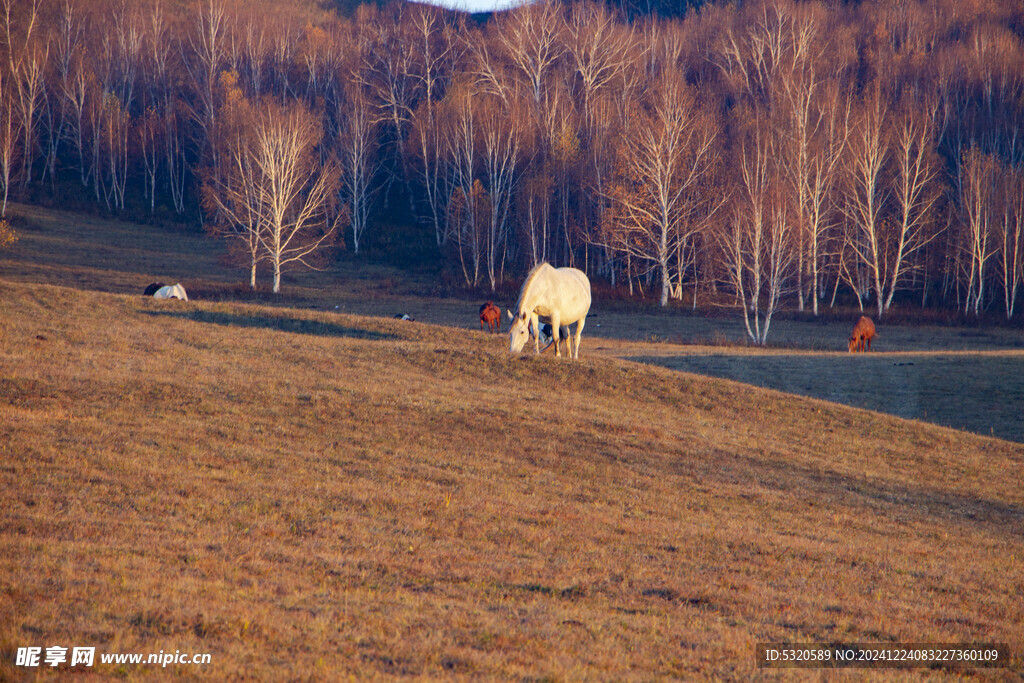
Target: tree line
column 773, row 151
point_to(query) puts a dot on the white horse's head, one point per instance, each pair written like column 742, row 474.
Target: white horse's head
column 518, row 331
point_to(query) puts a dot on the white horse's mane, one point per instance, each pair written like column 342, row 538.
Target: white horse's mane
column 526, row 284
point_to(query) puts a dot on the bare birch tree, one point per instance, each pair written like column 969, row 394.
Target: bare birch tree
column 465, row 210
column 601, row 50
column 800, row 86
column 821, row 176
column 68, row 46
column 977, row 196
column 75, row 89
column 276, row 189
column 233, row 197
column 208, row 50
column 387, row 73
column 175, row 159
column 500, row 147
column 115, row 131
column 758, row 244
column 1011, row 235
column 27, row 56
column 867, row 193
column 122, row 50
column 357, row 152
column 530, row 38
column 666, row 154
column 914, row 188
column 295, row 190
column 7, row 140
column 435, row 49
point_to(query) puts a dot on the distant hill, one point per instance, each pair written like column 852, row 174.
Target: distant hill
column 631, row 8
column 661, row 8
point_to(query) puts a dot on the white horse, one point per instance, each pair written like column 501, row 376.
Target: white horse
column 171, row 292
column 559, row 297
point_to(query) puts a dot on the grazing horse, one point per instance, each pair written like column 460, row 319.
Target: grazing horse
column 559, row 297
column 491, row 316
column 153, row 288
column 863, row 333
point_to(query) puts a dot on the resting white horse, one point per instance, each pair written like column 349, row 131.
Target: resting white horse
column 559, row 297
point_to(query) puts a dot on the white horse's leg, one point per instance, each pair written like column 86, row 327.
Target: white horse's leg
column 579, row 333
column 555, row 332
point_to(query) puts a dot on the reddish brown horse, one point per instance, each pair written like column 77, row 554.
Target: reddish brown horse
column 491, row 315
column 863, row 333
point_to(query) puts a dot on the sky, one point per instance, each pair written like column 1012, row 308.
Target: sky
column 474, row 5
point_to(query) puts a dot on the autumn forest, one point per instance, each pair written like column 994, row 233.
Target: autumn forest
column 771, row 153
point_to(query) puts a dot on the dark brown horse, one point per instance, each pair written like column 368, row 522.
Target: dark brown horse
column 863, row 333
column 491, row 316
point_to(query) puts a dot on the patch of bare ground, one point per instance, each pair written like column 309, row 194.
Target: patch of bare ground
column 312, row 495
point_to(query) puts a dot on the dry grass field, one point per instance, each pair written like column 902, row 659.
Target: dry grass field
column 312, row 494
column 964, row 377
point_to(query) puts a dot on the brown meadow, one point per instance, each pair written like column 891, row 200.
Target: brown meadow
column 310, row 494
column 313, row 495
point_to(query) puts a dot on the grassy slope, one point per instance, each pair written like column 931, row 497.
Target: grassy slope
column 325, row 494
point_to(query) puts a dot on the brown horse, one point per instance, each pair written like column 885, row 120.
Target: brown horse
column 863, row 333
column 491, row 315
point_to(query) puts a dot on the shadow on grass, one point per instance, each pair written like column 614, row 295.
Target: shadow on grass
column 980, row 394
column 963, row 508
column 898, row 500
column 281, row 323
